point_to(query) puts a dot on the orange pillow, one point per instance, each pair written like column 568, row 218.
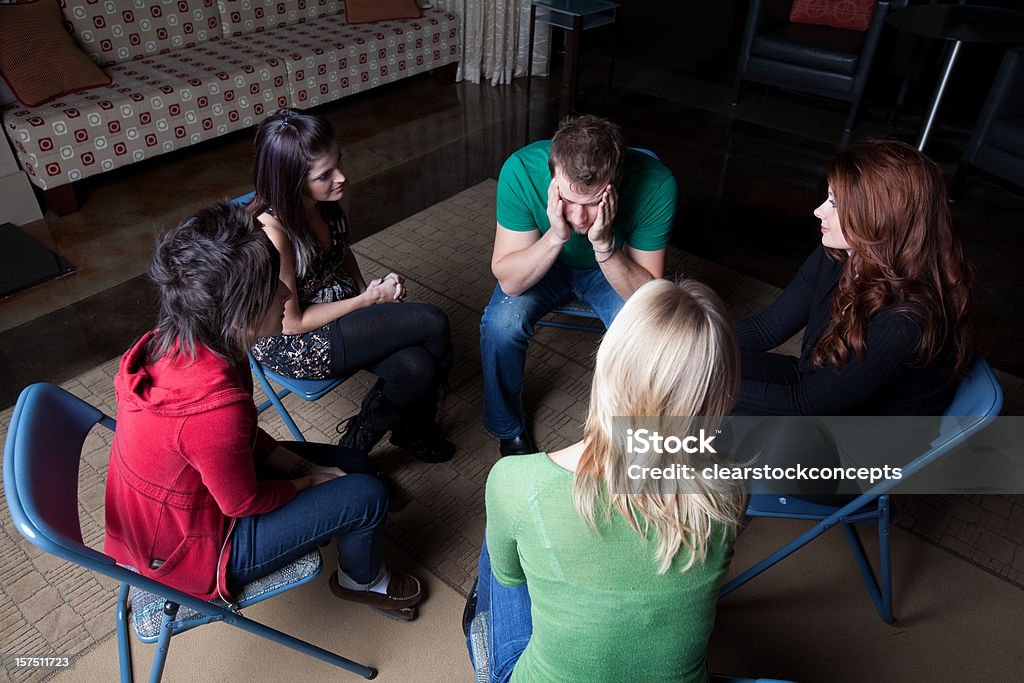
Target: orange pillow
column 362, row 11
column 850, row 14
column 40, row 60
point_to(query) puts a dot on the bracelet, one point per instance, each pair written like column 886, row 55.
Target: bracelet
column 610, row 252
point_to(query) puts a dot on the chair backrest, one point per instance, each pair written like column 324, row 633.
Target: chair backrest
column 41, row 465
column 243, row 199
column 978, row 400
column 41, row 458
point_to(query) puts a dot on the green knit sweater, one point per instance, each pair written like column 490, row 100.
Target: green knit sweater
column 600, row 610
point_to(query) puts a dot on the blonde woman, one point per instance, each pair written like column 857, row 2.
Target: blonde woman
column 588, row 574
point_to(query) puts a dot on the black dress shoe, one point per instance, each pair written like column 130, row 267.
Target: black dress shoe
column 518, row 445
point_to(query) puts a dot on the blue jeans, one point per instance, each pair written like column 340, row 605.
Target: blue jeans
column 350, row 509
column 510, row 622
column 507, row 326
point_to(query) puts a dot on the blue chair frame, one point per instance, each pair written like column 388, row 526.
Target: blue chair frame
column 306, row 389
column 978, row 401
column 41, row 466
column 574, row 309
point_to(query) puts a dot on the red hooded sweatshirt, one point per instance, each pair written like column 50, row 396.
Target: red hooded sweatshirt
column 182, row 465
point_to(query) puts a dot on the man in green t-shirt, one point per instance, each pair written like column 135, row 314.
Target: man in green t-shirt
column 580, row 216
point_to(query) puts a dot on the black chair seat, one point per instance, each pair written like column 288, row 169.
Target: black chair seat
column 801, row 78
column 819, row 47
column 1007, row 134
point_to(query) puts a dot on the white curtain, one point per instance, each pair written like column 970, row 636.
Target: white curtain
column 494, row 40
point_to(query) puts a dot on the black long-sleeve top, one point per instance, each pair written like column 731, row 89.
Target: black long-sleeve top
column 887, row 381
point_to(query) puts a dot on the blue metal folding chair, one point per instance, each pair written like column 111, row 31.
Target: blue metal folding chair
column 306, row 389
column 978, row 401
column 41, row 465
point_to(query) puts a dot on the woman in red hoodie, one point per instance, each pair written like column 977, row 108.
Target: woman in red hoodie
column 198, row 496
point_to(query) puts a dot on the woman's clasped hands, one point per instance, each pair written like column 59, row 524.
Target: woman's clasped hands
column 387, row 289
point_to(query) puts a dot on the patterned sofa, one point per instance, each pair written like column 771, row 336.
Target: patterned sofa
column 184, row 71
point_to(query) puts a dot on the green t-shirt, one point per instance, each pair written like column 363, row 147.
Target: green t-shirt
column 600, row 610
column 647, row 202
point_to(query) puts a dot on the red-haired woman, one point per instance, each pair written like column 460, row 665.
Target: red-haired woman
column 885, row 300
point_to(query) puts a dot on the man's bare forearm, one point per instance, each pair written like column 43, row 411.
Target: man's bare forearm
column 518, row 271
column 623, row 273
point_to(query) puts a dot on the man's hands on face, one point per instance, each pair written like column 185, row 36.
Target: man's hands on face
column 600, row 233
column 556, row 213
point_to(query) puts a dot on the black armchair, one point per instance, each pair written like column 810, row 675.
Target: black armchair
column 997, row 143
column 818, row 60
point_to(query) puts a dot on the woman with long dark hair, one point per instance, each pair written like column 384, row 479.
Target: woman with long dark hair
column 884, row 302
column 337, row 323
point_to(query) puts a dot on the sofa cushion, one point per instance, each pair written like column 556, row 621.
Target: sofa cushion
column 154, row 105
column 329, row 58
column 39, row 60
column 363, row 11
column 849, row 14
column 817, row 47
column 115, row 32
column 241, row 17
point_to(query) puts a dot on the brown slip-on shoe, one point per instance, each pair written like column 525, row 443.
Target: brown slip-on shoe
column 403, row 591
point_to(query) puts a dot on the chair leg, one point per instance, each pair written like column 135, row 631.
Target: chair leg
column 164, row 642
column 776, row 557
column 851, row 119
column 302, row 646
column 877, row 593
column 124, row 650
column 736, row 90
column 285, row 415
column 168, row 627
column 274, row 399
column 885, row 559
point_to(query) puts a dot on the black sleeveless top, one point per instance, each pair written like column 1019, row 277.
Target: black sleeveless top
column 308, row 355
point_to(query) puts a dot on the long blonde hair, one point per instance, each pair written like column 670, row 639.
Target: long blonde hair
column 670, row 359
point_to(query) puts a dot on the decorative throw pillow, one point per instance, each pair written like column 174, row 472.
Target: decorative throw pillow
column 851, row 14
column 362, row 11
column 40, row 60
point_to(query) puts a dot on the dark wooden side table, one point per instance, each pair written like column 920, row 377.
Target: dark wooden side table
column 960, row 24
column 574, row 17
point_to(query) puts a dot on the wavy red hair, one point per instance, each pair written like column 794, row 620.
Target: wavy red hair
column 893, row 210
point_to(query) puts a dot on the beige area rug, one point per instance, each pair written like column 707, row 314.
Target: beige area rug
column 49, row 607
column 946, row 606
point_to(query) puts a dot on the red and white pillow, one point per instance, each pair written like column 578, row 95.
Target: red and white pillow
column 849, row 14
